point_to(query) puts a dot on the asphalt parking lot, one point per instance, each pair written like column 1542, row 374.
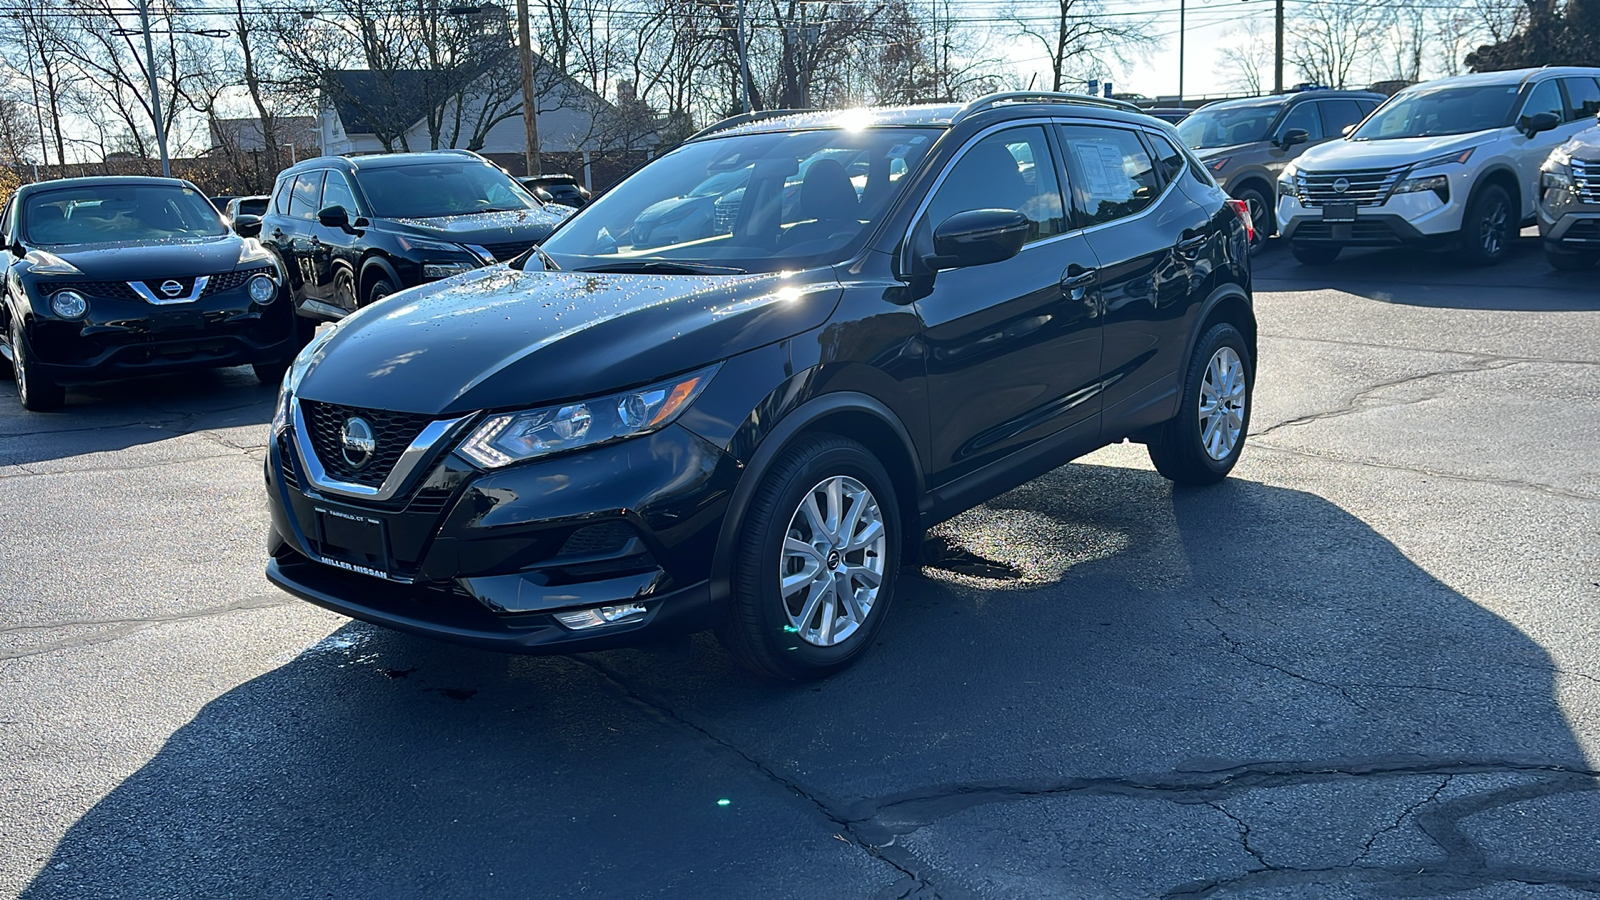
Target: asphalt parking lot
column 1367, row 665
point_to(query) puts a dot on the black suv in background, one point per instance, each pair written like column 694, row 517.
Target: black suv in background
column 748, row 428
column 351, row 230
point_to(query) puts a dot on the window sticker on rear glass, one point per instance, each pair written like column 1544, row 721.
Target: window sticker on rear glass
column 1102, row 167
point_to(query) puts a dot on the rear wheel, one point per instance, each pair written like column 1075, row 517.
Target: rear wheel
column 1314, row 254
column 1203, row 442
column 36, row 392
column 816, row 563
column 1488, row 228
column 1568, row 261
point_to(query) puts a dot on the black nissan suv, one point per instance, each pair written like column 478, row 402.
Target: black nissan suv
column 749, row 428
column 354, row 230
column 120, row 275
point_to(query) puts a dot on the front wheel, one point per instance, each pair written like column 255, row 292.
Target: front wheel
column 380, row 289
column 1487, row 229
column 816, row 562
column 37, row 393
column 1314, row 254
column 1201, row 444
column 1261, row 217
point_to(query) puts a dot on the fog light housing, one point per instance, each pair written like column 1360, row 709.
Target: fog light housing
column 595, row 616
column 69, row 304
column 263, row 290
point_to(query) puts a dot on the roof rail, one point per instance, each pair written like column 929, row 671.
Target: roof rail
column 744, row 119
column 993, row 100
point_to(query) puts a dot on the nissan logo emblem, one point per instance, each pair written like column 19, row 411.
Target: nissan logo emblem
column 171, row 288
column 356, row 442
column 1341, row 185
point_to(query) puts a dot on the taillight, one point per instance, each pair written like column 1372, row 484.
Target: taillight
column 1242, row 210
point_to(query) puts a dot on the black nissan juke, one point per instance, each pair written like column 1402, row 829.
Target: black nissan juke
column 119, row 276
column 893, row 315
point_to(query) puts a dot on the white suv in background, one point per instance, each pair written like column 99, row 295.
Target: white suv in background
column 1454, row 161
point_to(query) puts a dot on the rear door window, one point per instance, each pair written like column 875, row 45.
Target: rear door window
column 1337, row 115
column 306, row 194
column 1583, row 98
column 1111, row 174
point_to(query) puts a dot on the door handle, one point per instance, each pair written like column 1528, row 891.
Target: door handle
column 277, row 233
column 1076, row 282
column 1190, row 247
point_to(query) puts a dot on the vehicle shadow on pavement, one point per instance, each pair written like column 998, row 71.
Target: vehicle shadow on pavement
column 1410, row 277
column 118, row 415
column 1236, row 691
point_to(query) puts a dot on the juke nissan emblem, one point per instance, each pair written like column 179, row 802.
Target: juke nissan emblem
column 171, row 288
column 1341, row 185
column 356, row 442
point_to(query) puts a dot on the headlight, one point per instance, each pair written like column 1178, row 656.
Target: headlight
column 445, row 270
column 297, row 371
column 1556, row 171
column 1439, row 184
column 1458, row 157
column 253, row 251
column 68, row 304
column 263, row 289
column 41, row 262
column 411, row 243
column 513, row 437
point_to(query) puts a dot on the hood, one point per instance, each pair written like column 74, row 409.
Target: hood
column 146, row 260
column 1584, row 145
column 479, row 228
column 1386, row 154
column 500, row 338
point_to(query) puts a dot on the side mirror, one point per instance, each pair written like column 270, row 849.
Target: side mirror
column 1348, row 128
column 1294, row 136
column 334, row 217
column 1532, row 125
column 978, row 237
column 246, row 225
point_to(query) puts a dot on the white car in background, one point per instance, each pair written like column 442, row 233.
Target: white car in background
column 1449, row 162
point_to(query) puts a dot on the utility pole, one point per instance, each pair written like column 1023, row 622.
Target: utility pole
column 530, row 103
column 744, row 64
column 1181, row 15
column 1277, row 74
column 155, row 94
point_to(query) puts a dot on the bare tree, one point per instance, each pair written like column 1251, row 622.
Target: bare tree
column 1247, row 57
column 1409, row 41
column 1077, row 36
column 1333, row 44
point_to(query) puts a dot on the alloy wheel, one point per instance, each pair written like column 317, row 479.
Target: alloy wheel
column 1493, row 229
column 831, row 567
column 1222, row 400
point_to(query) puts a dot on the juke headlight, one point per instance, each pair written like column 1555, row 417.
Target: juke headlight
column 507, row 438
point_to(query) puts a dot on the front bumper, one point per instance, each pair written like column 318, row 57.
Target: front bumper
column 122, row 337
column 488, row 558
column 1567, row 223
column 1418, row 218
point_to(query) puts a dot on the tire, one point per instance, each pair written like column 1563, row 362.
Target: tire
column 37, row 393
column 801, row 636
column 1314, row 254
column 1488, row 227
column 344, row 290
column 380, row 289
column 1568, row 261
column 1196, row 447
column 1261, row 214
column 270, row 374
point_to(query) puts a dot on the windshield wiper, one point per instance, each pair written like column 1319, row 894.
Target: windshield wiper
column 663, row 267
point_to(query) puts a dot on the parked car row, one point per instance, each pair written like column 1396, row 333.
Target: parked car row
column 1462, row 163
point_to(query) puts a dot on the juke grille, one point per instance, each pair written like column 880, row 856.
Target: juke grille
column 392, row 432
column 508, row 250
column 227, row 281
column 109, row 290
column 1363, row 187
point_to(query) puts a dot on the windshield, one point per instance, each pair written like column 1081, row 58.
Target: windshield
column 1227, row 126
column 1453, row 110
column 99, row 214
column 755, row 202
column 441, row 189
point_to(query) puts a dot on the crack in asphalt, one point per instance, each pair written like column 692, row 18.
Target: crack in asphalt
column 1244, row 833
column 1557, row 361
column 1366, row 849
column 1363, row 400
column 1236, row 647
column 1430, row 473
column 899, row 859
column 115, row 629
column 134, row 467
